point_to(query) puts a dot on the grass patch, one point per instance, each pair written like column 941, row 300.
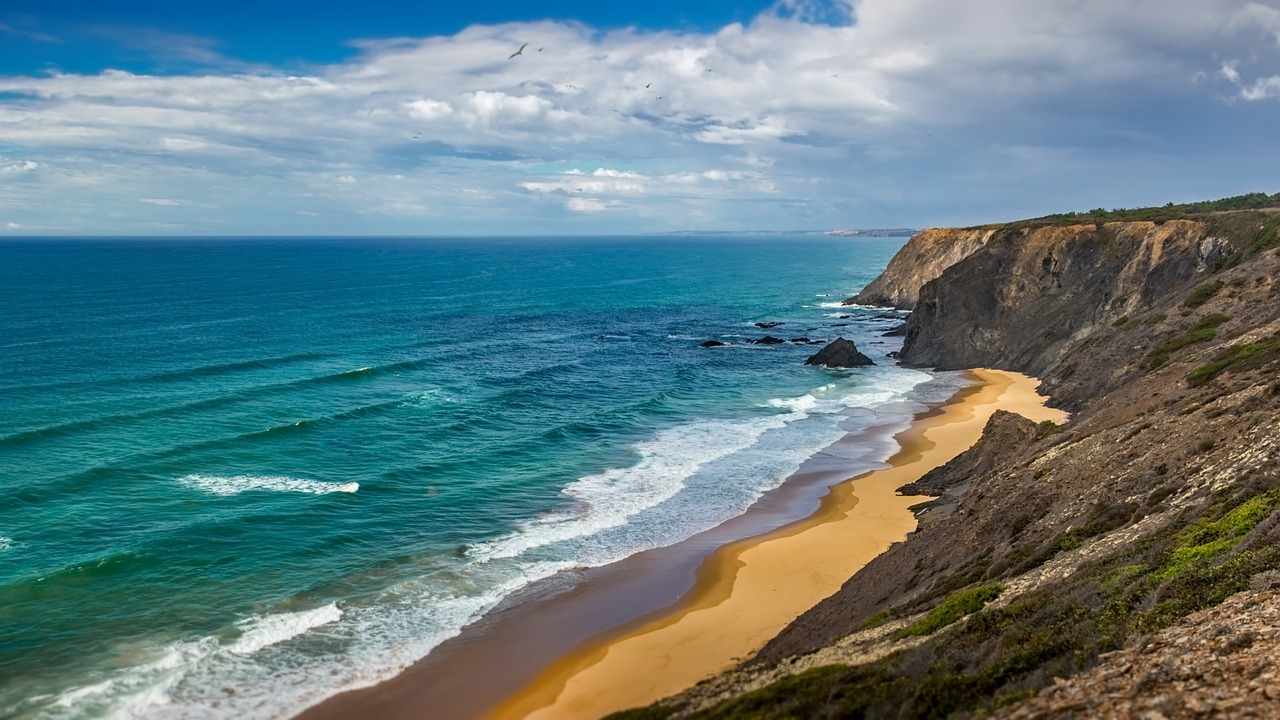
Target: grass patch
column 1240, row 357
column 1121, row 321
column 1208, row 538
column 1203, row 331
column 877, row 619
column 952, row 609
column 1155, row 319
column 1202, row 294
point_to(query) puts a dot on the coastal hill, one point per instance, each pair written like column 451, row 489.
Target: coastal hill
column 1120, row 564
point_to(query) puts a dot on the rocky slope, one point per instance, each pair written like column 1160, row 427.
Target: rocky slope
column 1052, row 547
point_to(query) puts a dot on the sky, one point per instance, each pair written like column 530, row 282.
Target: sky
column 389, row 117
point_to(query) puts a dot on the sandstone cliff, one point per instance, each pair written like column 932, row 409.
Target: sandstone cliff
column 922, row 259
column 1055, row 547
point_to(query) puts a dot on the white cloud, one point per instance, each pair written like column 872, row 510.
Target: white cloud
column 430, row 109
column 12, row 226
column 897, row 103
column 1261, row 17
column 166, row 202
column 589, row 205
column 1262, row 89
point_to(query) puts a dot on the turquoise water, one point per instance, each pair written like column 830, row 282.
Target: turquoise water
column 238, row 476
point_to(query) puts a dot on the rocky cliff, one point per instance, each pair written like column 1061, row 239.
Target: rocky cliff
column 922, row 259
column 1055, row 549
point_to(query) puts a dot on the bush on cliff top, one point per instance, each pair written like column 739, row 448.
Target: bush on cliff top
column 1170, row 211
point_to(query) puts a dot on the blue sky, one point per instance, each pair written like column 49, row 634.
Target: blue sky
column 388, row 117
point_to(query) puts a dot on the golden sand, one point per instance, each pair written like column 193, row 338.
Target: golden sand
column 747, row 592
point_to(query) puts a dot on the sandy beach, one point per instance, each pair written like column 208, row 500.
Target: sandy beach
column 748, row 591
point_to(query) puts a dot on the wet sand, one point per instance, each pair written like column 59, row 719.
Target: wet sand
column 749, row 590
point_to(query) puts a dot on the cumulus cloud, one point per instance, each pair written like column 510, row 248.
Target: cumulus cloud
column 829, row 113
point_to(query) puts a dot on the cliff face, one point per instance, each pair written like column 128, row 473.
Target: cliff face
column 1053, row 549
column 1028, row 298
column 922, row 259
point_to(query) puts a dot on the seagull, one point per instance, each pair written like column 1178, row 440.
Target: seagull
column 518, row 52
column 646, row 85
column 541, row 49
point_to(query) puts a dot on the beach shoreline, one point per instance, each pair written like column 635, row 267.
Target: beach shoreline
column 749, row 590
column 517, row 661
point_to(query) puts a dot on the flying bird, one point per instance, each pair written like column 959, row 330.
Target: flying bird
column 541, row 49
column 646, row 85
column 518, row 52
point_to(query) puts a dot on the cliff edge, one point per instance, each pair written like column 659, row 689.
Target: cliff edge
column 1057, row 554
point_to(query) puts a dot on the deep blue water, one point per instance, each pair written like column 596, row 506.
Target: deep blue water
column 283, row 467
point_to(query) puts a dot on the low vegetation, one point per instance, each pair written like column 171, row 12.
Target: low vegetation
column 1170, row 211
column 1202, row 294
column 1203, row 331
column 1240, row 357
column 965, row 602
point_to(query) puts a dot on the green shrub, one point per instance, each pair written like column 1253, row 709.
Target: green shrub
column 1241, row 357
column 1203, row 294
column 1207, row 538
column 877, row 619
column 1120, row 321
column 952, row 609
column 1203, row 331
column 1047, row 428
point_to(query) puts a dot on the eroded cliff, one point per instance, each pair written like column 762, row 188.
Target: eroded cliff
column 1053, row 546
column 922, row 259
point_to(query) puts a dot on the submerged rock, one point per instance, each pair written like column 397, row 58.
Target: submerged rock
column 899, row 331
column 768, row 325
column 713, row 343
column 768, row 340
column 839, row 353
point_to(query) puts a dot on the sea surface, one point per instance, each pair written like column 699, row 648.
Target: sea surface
column 238, row 476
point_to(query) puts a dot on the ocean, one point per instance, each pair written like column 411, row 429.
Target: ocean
column 238, row 476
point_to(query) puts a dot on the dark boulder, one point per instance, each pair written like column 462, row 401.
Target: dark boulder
column 713, row 343
column 805, row 341
column 899, row 331
column 839, row 353
column 768, row 340
column 767, row 325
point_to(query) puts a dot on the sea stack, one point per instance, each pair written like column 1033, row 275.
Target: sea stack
column 839, row 353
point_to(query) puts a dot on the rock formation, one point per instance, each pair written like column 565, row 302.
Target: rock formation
column 839, row 353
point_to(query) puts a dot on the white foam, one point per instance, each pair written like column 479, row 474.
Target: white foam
column 6, row 543
column 75, row 695
column 235, row 484
column 796, row 404
column 266, row 631
column 607, row 499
